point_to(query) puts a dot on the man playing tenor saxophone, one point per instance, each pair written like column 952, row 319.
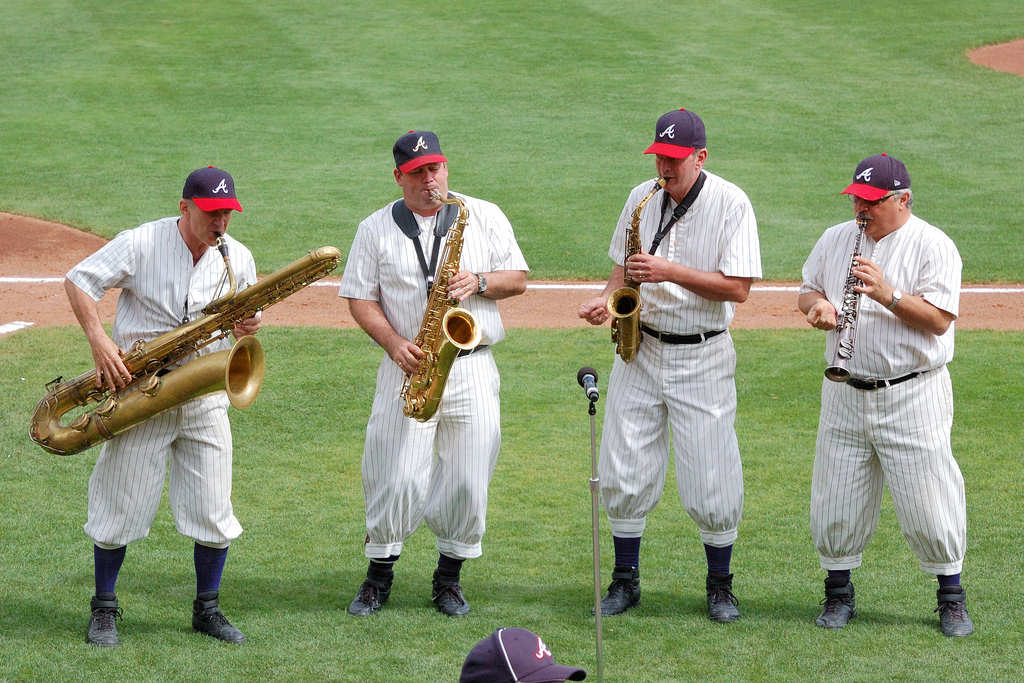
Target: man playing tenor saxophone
column 888, row 286
column 167, row 274
column 700, row 254
column 436, row 469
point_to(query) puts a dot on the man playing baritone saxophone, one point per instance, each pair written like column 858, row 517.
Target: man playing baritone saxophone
column 889, row 422
column 681, row 380
column 437, row 470
column 167, row 274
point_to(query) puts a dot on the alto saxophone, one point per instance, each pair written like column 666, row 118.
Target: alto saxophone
column 445, row 330
column 157, row 384
column 624, row 303
column 846, row 324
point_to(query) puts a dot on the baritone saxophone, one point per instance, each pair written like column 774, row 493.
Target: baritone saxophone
column 158, row 381
column 624, row 303
column 846, row 323
column 445, row 330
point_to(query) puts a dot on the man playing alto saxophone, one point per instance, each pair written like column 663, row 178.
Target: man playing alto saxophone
column 680, row 384
column 167, row 274
column 889, row 422
column 437, row 470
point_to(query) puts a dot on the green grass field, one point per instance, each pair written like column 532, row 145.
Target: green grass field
column 542, row 107
column 545, row 109
column 297, row 492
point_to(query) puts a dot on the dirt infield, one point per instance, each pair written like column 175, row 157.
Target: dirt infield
column 1008, row 57
column 37, row 250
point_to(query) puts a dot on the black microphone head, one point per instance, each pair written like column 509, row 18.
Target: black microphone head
column 584, row 371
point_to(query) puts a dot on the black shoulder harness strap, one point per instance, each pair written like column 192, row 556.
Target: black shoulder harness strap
column 408, row 225
column 681, row 208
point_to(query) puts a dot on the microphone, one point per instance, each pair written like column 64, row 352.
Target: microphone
column 587, row 378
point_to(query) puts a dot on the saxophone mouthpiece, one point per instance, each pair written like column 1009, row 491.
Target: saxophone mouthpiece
column 864, row 217
column 222, row 246
column 660, row 182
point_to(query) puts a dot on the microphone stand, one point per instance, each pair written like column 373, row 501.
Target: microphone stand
column 594, row 492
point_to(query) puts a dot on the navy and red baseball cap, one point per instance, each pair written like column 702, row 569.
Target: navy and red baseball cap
column 416, row 148
column 514, row 654
column 211, row 189
column 677, row 134
column 877, row 176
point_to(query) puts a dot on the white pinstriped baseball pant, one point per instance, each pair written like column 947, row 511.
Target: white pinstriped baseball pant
column 436, row 471
column 900, row 436
column 690, row 389
column 127, row 481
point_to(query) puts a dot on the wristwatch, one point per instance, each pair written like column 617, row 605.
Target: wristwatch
column 481, row 284
column 897, row 296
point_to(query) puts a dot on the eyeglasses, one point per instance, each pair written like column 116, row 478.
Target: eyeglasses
column 875, row 202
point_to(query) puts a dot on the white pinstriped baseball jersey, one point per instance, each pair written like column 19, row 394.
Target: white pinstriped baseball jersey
column 153, row 268
column 160, row 287
column 688, row 389
column 438, row 470
column 897, row 435
column 718, row 233
column 918, row 259
column 383, row 267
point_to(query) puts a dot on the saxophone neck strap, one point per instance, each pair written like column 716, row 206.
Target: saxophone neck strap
column 681, row 208
column 406, row 222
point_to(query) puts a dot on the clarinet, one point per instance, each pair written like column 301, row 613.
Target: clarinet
column 846, row 325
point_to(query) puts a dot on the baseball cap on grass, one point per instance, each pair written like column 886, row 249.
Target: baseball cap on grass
column 677, row 134
column 211, row 189
column 877, row 176
column 510, row 655
column 416, row 148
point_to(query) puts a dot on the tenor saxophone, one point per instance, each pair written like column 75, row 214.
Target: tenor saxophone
column 846, row 324
column 157, row 384
column 624, row 303
column 445, row 330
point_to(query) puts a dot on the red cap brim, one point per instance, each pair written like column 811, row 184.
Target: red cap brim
column 217, row 203
column 866, row 192
column 667, row 150
column 413, row 164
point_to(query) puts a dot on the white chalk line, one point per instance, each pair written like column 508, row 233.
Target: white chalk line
column 558, row 286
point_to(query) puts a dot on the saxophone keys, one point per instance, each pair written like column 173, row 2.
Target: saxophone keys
column 81, row 423
column 150, row 386
column 107, row 407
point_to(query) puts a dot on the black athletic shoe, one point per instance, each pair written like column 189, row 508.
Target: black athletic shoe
column 448, row 598
column 623, row 592
column 839, row 603
column 952, row 610
column 103, row 622
column 370, row 598
column 207, row 618
column 722, row 604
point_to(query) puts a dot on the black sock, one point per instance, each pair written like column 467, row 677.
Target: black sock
column 209, row 564
column 381, row 571
column 448, row 567
column 627, row 551
column 106, row 566
column 718, row 559
column 838, row 577
column 947, row 580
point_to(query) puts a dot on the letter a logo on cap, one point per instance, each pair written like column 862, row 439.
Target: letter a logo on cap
column 419, row 144
column 865, row 174
column 221, row 187
column 670, row 132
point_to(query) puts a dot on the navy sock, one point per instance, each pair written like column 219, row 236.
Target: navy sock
column 209, row 567
column 839, row 577
column 106, row 565
column 948, row 580
column 382, row 570
column 627, row 551
column 448, row 567
column 718, row 558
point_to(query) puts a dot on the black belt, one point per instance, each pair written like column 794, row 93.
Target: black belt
column 871, row 384
column 466, row 352
column 680, row 338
